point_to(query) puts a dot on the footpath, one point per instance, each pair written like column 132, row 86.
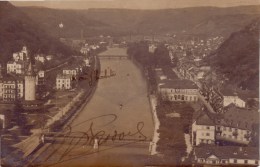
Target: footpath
column 153, row 144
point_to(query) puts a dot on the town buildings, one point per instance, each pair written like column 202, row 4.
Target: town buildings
column 236, row 125
column 15, row 67
column 22, row 55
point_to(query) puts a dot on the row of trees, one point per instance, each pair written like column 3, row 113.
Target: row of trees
column 139, row 51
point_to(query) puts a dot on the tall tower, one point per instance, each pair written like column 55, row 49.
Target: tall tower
column 30, row 82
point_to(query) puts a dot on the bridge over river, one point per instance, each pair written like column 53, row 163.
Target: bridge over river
column 118, row 116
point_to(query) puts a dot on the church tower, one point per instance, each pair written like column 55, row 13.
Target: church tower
column 30, row 84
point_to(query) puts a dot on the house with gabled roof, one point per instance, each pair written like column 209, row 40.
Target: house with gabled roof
column 226, row 155
column 203, row 129
column 236, row 125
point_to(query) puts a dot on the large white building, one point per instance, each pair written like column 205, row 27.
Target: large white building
column 179, row 90
column 203, row 130
column 63, row 82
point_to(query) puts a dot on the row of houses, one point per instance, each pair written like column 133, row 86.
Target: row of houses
column 226, row 155
column 21, row 61
column 228, row 136
column 12, row 87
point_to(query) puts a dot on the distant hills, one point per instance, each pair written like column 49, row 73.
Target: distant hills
column 17, row 29
column 197, row 20
column 238, row 57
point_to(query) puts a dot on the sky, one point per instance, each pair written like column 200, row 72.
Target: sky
column 132, row 4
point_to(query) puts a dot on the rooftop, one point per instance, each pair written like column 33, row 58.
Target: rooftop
column 241, row 118
column 179, row 84
column 204, row 119
column 226, row 152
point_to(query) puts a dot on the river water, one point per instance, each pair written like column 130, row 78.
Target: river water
column 119, row 106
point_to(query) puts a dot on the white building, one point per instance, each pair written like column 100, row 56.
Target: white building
column 63, row 82
column 22, row 55
column 152, row 48
column 40, row 58
column 11, row 89
column 203, row 130
column 226, row 155
column 70, row 71
column 179, row 90
column 231, row 97
column 16, row 67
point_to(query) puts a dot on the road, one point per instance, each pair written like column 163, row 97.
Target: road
column 120, row 109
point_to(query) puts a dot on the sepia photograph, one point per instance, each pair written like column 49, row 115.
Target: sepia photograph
column 129, row 83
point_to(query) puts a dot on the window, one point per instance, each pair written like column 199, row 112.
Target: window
column 207, row 134
column 207, row 127
column 223, row 161
column 235, row 161
column 246, row 161
column 256, row 162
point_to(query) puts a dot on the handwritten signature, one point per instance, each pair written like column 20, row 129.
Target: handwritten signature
column 64, row 143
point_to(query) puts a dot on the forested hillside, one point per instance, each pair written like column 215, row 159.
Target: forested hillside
column 238, row 57
column 17, row 30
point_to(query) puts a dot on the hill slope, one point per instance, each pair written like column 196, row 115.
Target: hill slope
column 238, row 57
column 124, row 21
column 17, row 30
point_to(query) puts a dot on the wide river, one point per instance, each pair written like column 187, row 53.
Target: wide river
column 119, row 105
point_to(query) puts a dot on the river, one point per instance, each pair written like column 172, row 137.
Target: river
column 119, row 106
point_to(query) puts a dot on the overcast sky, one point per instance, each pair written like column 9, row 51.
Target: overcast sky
column 134, row 4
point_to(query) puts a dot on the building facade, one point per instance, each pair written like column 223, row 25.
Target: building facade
column 63, row 82
column 226, row 155
column 179, row 90
column 16, row 67
column 11, row 89
column 203, row 131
